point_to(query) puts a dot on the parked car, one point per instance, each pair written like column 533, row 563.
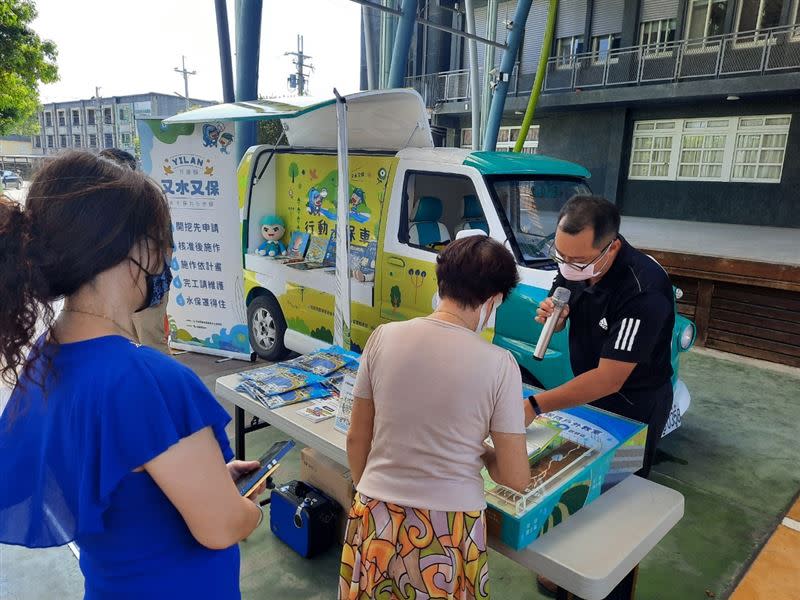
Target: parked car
column 11, row 180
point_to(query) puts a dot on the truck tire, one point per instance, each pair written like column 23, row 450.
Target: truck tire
column 266, row 326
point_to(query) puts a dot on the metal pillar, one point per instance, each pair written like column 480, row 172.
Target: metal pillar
column 488, row 65
column 224, row 41
column 248, row 44
column 369, row 49
column 506, row 69
column 474, row 76
column 402, row 44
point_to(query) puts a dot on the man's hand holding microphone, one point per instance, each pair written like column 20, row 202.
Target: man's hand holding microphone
column 552, row 313
column 546, row 308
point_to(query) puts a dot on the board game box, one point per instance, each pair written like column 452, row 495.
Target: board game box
column 591, row 450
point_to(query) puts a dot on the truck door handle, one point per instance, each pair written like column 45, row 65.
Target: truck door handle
column 396, row 262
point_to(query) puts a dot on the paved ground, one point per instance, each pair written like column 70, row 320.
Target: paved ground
column 765, row 244
column 735, row 460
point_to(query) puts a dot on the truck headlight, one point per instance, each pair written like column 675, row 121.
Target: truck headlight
column 687, row 336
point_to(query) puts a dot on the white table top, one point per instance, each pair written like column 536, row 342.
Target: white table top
column 588, row 554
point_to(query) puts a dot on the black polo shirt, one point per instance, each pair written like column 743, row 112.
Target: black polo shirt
column 627, row 316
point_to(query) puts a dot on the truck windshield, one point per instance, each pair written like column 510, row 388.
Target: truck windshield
column 530, row 206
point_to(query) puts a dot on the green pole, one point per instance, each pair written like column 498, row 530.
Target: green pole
column 544, row 55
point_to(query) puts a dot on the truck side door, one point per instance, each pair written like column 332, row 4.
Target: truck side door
column 428, row 208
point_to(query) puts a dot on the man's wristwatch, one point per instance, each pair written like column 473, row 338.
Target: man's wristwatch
column 536, row 408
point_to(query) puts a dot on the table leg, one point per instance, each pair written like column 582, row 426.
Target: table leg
column 625, row 590
column 238, row 432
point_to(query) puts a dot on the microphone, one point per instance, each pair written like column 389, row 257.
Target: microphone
column 560, row 299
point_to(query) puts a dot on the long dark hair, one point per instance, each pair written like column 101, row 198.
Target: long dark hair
column 82, row 216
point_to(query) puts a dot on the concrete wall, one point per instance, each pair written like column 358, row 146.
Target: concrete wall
column 15, row 145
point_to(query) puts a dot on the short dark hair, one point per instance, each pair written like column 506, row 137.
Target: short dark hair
column 596, row 212
column 125, row 159
column 473, row 269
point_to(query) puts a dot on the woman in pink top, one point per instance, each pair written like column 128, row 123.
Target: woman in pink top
column 428, row 393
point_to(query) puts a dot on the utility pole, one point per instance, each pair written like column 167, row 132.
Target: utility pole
column 300, row 77
column 185, row 74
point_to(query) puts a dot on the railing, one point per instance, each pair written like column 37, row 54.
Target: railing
column 450, row 86
column 743, row 53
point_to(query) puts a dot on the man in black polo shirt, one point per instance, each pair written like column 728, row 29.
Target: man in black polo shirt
column 621, row 317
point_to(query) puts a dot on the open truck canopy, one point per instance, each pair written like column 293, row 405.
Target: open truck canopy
column 384, row 120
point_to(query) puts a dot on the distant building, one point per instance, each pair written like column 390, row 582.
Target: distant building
column 98, row 123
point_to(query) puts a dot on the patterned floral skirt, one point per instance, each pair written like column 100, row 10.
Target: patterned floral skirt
column 393, row 552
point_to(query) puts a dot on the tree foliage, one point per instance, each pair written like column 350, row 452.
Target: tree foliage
column 25, row 61
column 269, row 132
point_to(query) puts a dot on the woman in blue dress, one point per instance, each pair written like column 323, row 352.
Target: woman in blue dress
column 110, row 444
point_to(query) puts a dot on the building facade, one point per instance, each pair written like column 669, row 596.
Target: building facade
column 98, row 123
column 681, row 109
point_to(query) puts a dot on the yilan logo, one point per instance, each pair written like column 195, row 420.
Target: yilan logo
column 188, row 164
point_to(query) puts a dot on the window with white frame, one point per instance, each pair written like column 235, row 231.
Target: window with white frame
column 706, row 18
column 48, row 119
column 507, row 139
column 567, row 47
column 652, row 149
column 62, row 119
column 50, row 141
column 92, row 140
column 126, row 139
column 760, row 148
column 758, row 14
column 744, row 149
column 76, row 117
column 62, row 141
column 37, row 142
column 601, row 44
column 76, row 141
column 656, row 34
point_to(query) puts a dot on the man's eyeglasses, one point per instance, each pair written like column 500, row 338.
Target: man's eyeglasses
column 556, row 256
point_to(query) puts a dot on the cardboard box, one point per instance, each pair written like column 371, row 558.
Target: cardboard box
column 330, row 477
column 618, row 451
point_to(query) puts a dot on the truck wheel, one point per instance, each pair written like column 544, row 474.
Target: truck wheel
column 267, row 327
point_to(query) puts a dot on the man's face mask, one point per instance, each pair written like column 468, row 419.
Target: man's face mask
column 582, row 272
column 157, row 285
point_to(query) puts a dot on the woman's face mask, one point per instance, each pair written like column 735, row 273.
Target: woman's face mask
column 486, row 313
column 157, row 285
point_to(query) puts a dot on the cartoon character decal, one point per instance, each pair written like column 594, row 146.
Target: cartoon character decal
column 358, row 203
column 211, row 134
column 315, row 199
column 225, row 140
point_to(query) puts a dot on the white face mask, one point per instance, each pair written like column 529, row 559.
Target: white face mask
column 572, row 273
column 484, row 319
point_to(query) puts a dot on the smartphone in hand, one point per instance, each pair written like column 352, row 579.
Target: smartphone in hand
column 269, row 461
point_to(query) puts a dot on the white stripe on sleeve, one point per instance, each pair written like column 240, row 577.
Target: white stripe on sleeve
column 633, row 335
column 621, row 332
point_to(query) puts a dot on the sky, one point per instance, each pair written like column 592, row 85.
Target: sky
column 128, row 47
